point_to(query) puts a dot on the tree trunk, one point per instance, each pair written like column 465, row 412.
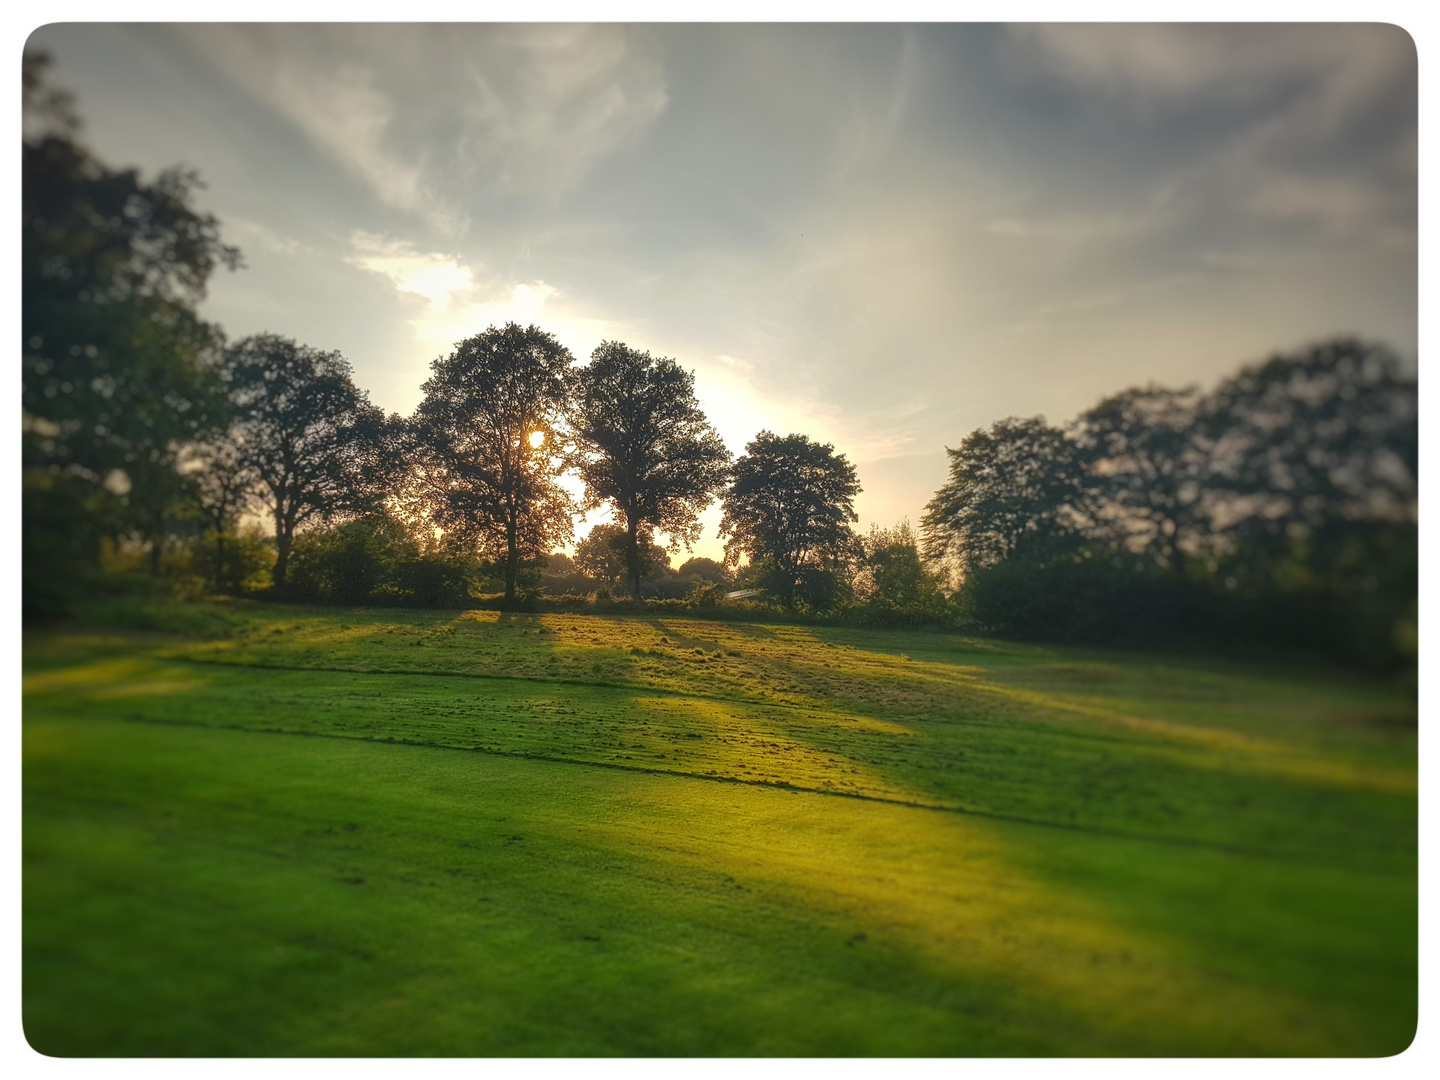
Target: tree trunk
column 632, row 555
column 282, row 553
column 512, row 561
column 219, row 561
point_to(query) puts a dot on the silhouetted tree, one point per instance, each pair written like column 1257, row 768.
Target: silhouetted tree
column 376, row 559
column 605, row 556
column 1326, row 434
column 117, row 368
column 702, row 569
column 488, row 448
column 600, row 556
column 312, row 439
column 898, row 582
column 789, row 508
column 643, row 445
column 1017, row 483
column 1278, row 508
column 1313, row 477
column 221, row 486
column 1147, row 461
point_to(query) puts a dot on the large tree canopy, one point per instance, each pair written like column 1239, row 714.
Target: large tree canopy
column 117, row 368
column 488, row 444
column 1326, row 434
column 644, row 446
column 308, row 435
column 789, row 507
column 1146, row 463
column 1016, row 483
column 115, row 359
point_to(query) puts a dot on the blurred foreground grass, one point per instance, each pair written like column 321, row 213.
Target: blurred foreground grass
column 252, row 829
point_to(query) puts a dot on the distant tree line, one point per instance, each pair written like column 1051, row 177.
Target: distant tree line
column 1280, row 506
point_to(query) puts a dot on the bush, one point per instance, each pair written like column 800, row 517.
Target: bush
column 232, row 563
column 374, row 560
column 62, row 521
column 1349, row 596
column 894, row 586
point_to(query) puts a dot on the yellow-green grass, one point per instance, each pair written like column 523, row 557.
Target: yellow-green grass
column 268, row 830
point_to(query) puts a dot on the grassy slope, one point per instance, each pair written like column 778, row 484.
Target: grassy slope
column 567, row 834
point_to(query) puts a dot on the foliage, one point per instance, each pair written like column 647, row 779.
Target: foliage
column 1146, row 469
column 643, row 445
column 561, row 577
column 475, row 445
column 311, row 438
column 63, row 521
column 703, row 569
column 375, row 560
column 233, row 561
column 789, row 507
column 221, row 487
column 1280, row 508
column 1015, row 484
column 894, row 584
column 705, row 592
column 606, row 557
column 117, row 367
column 1327, row 434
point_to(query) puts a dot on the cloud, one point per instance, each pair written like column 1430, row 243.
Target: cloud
column 252, row 234
column 342, row 112
column 1164, row 67
column 433, row 276
column 460, row 299
column 550, row 101
column 1278, row 124
column 430, row 122
column 1073, row 229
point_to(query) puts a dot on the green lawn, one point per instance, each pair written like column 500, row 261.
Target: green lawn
column 288, row 831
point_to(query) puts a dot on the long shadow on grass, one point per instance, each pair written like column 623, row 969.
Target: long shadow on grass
column 1301, row 922
column 208, row 892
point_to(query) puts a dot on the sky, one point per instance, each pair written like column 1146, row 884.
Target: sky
column 880, row 236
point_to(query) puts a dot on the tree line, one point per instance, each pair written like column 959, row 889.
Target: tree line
column 1279, row 505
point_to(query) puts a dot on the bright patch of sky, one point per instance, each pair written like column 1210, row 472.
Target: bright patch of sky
column 881, row 236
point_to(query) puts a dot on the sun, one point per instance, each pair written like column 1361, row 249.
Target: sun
column 537, row 439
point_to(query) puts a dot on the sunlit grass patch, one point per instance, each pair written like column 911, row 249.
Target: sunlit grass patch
column 105, row 679
column 510, row 833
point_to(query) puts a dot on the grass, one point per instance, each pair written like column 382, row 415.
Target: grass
column 252, row 829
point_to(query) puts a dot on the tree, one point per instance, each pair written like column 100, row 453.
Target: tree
column 1014, row 485
column 1147, row 462
column 898, row 580
column 601, row 555
column 1313, row 482
column 313, row 441
column 644, row 446
column 789, row 507
column 117, row 368
column 702, row 569
column 221, row 487
column 1278, row 508
column 487, row 444
column 1328, row 433
column 605, row 556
